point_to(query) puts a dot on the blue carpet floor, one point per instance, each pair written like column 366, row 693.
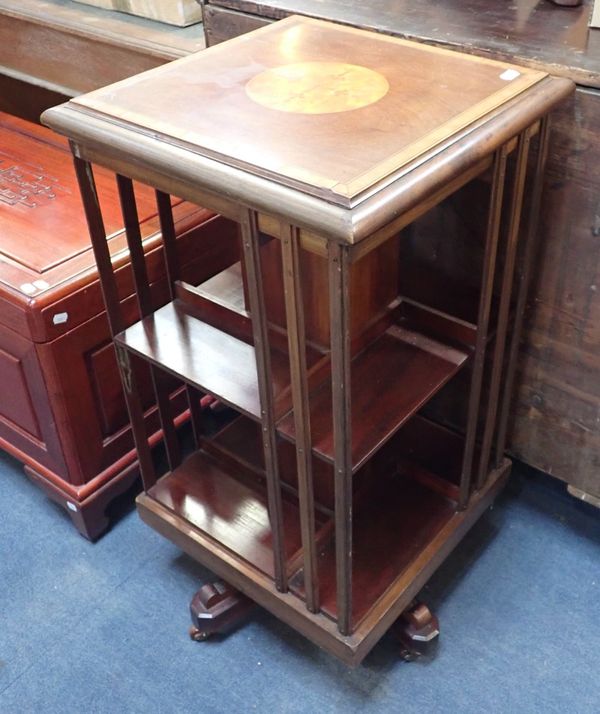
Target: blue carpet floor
column 102, row 628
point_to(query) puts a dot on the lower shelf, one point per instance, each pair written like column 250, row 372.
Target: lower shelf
column 179, row 512
column 400, row 506
column 233, row 512
column 196, row 541
column 397, row 522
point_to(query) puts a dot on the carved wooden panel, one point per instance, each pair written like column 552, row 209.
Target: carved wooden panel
column 25, row 417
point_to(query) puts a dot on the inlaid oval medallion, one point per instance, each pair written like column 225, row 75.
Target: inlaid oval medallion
column 317, row 87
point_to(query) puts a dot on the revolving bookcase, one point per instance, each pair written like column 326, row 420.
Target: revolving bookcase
column 340, row 485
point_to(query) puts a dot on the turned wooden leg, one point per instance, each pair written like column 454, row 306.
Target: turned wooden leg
column 417, row 628
column 217, row 608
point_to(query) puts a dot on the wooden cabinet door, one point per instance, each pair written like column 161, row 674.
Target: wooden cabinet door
column 27, row 427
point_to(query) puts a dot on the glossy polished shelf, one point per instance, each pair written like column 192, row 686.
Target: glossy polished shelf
column 203, row 356
column 398, row 522
column 391, row 380
column 400, row 514
column 212, row 498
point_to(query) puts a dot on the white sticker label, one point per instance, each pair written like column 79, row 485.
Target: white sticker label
column 509, row 74
column 28, row 288
column 60, row 318
column 71, row 506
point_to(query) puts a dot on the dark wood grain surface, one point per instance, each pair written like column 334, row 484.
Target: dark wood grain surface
column 232, row 512
column 391, row 380
column 555, row 415
column 399, row 520
column 535, row 33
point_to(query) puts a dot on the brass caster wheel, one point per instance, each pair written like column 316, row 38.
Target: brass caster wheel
column 197, row 635
column 407, row 655
column 417, row 629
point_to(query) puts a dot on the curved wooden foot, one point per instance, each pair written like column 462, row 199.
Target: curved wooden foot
column 89, row 515
column 217, row 608
column 417, row 628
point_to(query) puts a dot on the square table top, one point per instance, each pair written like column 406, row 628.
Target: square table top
column 326, row 109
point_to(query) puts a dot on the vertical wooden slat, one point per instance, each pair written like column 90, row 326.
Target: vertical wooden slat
column 167, row 227
column 144, row 299
column 294, row 309
column 169, row 240
column 251, row 251
column 134, row 244
column 160, row 383
column 339, row 311
column 93, row 214
column 505, row 300
column 485, row 301
column 194, row 397
column 524, row 276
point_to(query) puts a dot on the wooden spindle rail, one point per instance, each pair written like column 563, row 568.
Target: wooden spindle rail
column 146, row 306
column 294, row 306
column 483, row 317
column 172, row 267
column 505, row 302
column 523, row 287
column 339, row 312
column 127, row 364
column 251, row 252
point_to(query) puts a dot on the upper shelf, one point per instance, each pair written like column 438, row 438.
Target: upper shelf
column 205, row 356
column 390, row 381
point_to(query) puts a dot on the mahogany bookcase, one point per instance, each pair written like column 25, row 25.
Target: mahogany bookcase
column 333, row 495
